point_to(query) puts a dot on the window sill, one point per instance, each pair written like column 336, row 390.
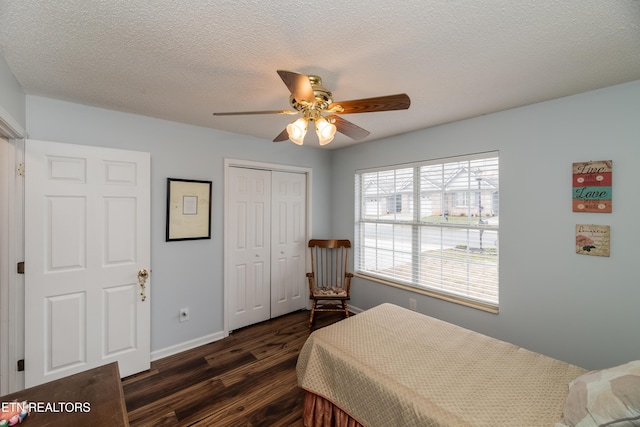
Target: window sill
column 478, row 305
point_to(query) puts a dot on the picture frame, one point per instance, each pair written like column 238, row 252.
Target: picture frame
column 592, row 186
column 593, row 239
column 188, row 209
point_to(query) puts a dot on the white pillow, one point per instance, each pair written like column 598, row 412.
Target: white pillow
column 605, row 398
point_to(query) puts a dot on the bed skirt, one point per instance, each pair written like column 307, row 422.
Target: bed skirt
column 320, row 412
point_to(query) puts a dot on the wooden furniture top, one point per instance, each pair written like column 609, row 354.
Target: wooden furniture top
column 92, row 397
column 330, row 243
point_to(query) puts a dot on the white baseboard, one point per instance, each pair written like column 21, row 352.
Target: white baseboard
column 354, row 309
column 187, row 345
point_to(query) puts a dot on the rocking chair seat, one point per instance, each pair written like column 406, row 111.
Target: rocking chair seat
column 331, row 291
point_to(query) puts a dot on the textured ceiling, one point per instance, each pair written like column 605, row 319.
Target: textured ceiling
column 184, row 60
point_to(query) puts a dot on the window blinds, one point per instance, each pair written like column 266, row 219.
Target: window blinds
column 431, row 225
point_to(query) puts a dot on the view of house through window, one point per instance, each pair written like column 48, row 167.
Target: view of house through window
column 432, row 226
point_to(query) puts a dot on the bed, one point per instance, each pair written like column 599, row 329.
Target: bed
column 389, row 366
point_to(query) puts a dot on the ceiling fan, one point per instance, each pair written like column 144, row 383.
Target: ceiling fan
column 315, row 104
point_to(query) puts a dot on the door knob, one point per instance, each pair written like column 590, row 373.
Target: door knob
column 143, row 275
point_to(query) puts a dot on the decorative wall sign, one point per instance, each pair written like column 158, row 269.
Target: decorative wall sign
column 593, row 240
column 188, row 209
column 592, row 186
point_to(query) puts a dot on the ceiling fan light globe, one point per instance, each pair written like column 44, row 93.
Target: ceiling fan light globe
column 325, row 131
column 297, row 131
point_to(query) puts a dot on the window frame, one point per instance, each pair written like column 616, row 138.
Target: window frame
column 416, row 222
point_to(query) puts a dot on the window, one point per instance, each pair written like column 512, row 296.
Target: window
column 462, row 198
column 432, row 227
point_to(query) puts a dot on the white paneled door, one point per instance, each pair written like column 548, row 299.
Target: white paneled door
column 266, row 229
column 288, row 243
column 87, row 246
column 249, row 265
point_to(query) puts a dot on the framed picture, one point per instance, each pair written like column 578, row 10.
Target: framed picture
column 594, row 240
column 592, row 186
column 188, row 209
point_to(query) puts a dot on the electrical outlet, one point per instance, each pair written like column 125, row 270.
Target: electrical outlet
column 184, row 314
column 412, row 304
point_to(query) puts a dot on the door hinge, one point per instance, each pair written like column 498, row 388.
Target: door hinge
column 21, row 365
column 20, row 267
column 20, row 169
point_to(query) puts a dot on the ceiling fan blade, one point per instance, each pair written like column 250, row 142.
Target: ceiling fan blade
column 238, row 113
column 351, row 130
column 299, row 85
column 283, row 136
column 370, row 105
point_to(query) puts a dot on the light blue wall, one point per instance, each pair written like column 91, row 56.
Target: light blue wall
column 581, row 309
column 577, row 308
column 186, row 273
column 12, row 98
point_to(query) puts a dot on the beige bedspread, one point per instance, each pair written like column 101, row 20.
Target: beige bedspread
column 389, row 366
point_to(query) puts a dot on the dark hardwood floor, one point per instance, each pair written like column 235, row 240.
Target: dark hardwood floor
column 246, row 379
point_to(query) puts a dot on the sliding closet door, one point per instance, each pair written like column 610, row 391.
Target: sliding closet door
column 248, row 243
column 288, row 242
column 266, row 235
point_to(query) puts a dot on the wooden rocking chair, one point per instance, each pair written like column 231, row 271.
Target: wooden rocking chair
column 329, row 279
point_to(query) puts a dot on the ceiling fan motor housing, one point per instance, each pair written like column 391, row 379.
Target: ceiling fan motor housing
column 323, row 98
